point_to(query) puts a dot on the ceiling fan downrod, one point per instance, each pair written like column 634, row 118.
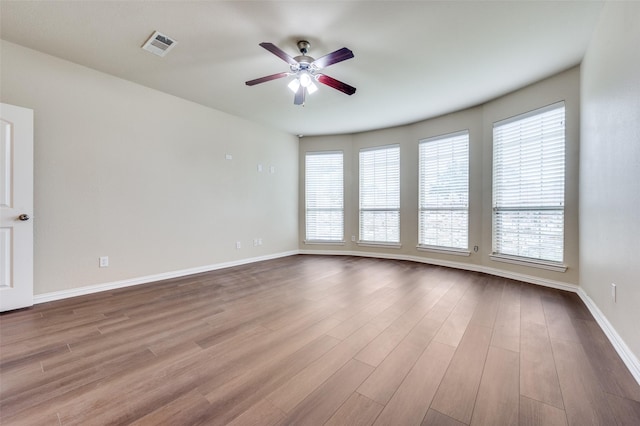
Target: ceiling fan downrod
column 304, row 46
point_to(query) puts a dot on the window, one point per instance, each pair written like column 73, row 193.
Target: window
column 380, row 195
column 443, row 217
column 528, row 185
column 324, row 196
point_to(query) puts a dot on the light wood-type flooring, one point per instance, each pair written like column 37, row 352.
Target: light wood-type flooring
column 315, row 340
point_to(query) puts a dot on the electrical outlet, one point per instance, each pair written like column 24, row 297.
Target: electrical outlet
column 228, row 157
column 259, row 241
column 353, row 238
column 255, row 242
column 259, row 167
column 238, row 245
column 103, row 261
column 613, row 292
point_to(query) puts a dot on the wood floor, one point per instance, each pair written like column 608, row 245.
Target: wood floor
column 312, row 340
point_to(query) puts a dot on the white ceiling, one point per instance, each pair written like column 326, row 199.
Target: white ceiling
column 413, row 60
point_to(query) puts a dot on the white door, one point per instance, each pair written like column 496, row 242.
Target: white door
column 16, row 207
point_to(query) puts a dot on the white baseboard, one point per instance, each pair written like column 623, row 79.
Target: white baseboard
column 452, row 264
column 81, row 291
column 628, row 357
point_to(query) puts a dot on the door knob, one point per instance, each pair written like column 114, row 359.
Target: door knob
column 23, row 217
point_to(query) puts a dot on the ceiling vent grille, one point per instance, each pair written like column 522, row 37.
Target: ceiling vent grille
column 159, row 44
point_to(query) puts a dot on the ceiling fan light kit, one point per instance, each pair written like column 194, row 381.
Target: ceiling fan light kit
column 305, row 70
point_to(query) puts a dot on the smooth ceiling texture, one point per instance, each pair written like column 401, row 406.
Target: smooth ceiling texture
column 413, row 60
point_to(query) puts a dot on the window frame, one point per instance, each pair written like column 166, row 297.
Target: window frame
column 452, row 138
column 328, row 239
column 388, row 209
column 526, row 207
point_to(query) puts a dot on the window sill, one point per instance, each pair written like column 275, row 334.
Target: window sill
column 444, row 250
column 379, row 244
column 550, row 266
column 325, row 242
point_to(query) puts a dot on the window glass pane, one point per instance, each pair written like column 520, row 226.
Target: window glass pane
column 528, row 185
column 443, row 219
column 380, row 226
column 324, row 196
column 380, row 194
column 444, row 228
column 534, row 234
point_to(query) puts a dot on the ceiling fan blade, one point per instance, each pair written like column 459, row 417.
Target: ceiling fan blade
column 333, row 57
column 299, row 98
column 336, row 84
column 279, row 53
column 266, row 78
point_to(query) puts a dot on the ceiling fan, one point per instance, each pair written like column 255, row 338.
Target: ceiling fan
column 306, row 70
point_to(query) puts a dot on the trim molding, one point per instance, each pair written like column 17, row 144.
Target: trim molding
column 550, row 266
column 81, row 291
column 452, row 264
column 627, row 356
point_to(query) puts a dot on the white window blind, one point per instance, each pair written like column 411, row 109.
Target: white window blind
column 443, row 217
column 528, row 185
column 324, row 196
column 380, row 195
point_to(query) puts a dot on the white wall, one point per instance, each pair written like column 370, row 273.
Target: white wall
column 610, row 169
column 141, row 176
column 479, row 120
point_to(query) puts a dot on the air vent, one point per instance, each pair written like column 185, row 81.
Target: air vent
column 159, row 44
